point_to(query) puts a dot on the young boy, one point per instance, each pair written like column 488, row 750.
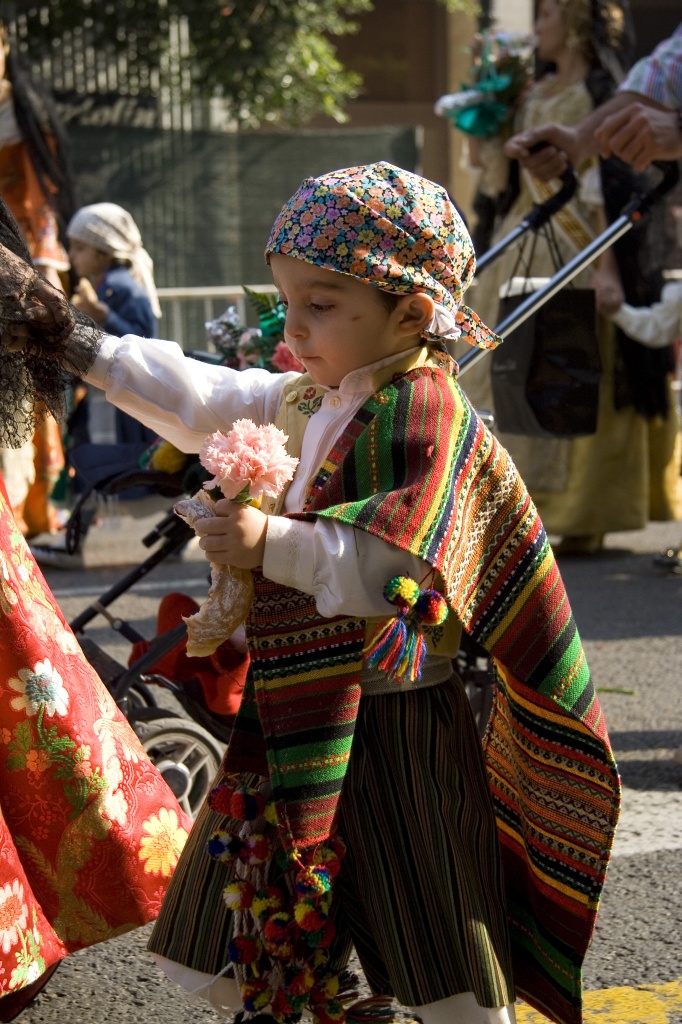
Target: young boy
column 458, row 887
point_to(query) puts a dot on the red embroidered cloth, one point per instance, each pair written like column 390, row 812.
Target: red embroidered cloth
column 89, row 831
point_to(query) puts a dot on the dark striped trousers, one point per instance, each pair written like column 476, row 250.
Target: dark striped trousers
column 420, row 891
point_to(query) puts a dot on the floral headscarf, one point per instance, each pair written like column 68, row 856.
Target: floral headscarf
column 389, row 228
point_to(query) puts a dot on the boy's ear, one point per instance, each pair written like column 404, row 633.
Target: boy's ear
column 414, row 313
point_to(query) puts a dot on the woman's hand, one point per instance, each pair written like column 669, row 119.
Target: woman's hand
column 235, row 535
column 562, row 146
column 85, row 299
column 30, row 307
column 640, row 134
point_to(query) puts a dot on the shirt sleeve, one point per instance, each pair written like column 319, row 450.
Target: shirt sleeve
column 659, row 76
column 654, row 326
column 344, row 569
column 182, row 399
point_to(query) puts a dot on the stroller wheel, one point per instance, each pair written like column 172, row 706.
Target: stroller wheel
column 184, row 752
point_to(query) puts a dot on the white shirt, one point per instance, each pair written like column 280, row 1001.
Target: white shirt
column 654, row 326
column 184, row 400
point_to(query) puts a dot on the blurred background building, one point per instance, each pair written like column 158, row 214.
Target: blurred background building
column 205, row 194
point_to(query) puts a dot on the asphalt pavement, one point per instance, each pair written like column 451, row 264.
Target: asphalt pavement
column 629, row 616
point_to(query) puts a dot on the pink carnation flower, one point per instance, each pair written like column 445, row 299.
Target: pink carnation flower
column 248, row 459
column 284, row 359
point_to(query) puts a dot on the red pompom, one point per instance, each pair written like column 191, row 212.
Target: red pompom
column 322, row 939
column 308, row 916
column 256, row 849
column 431, row 608
column 247, row 804
column 299, row 980
column 255, row 995
column 239, row 895
column 244, row 949
column 276, row 929
column 220, row 799
column 331, row 861
column 266, row 901
column 282, row 1009
column 331, row 1013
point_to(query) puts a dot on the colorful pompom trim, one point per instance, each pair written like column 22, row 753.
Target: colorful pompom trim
column 398, row 646
column 255, row 995
column 239, row 895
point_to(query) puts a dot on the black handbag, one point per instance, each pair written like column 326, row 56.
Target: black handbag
column 546, row 375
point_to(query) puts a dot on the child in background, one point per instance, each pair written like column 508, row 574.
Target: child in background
column 116, row 287
column 462, row 877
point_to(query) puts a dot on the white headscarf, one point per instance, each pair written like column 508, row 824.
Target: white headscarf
column 110, row 229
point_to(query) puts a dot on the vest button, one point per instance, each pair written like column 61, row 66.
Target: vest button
column 292, row 396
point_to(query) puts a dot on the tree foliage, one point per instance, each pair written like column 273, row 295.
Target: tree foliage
column 272, row 61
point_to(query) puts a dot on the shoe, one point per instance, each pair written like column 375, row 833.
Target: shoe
column 55, row 558
column 590, row 544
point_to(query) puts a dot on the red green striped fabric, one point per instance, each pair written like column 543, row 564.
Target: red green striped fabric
column 417, row 468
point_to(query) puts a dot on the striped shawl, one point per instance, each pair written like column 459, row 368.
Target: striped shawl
column 417, row 468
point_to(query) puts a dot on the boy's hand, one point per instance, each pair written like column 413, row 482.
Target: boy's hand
column 235, row 535
column 85, row 299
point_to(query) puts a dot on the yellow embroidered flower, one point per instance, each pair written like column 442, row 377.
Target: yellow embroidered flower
column 13, row 914
column 163, row 845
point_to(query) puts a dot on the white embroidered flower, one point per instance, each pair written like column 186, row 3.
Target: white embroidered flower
column 33, row 972
column 38, row 686
column 13, row 914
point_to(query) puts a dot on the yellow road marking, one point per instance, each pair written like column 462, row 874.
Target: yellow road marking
column 643, row 1004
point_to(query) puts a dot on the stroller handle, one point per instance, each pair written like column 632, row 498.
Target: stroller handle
column 632, row 214
column 537, row 217
column 671, row 175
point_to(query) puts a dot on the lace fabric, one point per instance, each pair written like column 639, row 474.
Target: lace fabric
column 44, row 342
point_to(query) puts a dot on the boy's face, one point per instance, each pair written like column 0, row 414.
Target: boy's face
column 334, row 323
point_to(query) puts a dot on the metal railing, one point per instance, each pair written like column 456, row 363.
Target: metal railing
column 186, row 310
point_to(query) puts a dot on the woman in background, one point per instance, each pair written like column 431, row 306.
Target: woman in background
column 625, row 473
column 37, row 186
